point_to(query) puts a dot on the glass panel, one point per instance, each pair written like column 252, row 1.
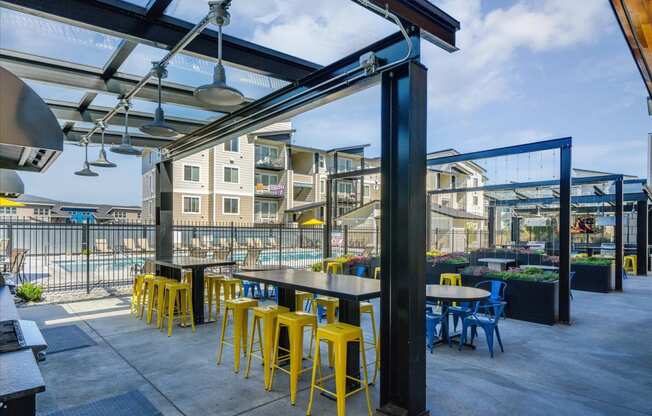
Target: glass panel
column 141, row 3
column 108, row 100
column 34, row 35
column 54, row 92
column 189, row 70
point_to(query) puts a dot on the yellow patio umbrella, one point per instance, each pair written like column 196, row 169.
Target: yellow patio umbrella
column 5, row 202
column 313, row 221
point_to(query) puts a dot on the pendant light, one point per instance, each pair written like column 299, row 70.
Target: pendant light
column 125, row 147
column 159, row 127
column 102, row 161
column 218, row 92
column 86, row 171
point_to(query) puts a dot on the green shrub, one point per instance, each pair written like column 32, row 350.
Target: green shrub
column 593, row 261
column 316, row 267
column 30, row 292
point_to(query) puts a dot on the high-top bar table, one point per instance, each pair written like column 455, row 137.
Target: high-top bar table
column 350, row 290
column 197, row 266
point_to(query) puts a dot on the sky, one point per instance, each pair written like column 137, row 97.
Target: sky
column 525, row 71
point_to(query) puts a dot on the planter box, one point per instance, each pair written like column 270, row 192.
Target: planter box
column 593, row 278
column 526, row 300
column 433, row 272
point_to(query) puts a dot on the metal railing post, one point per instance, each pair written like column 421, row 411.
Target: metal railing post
column 86, row 252
column 346, row 239
column 280, row 245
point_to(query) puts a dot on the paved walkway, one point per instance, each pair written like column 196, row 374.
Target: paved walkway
column 600, row 365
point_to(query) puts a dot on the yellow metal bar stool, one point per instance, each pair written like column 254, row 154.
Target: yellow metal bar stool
column 630, row 264
column 334, row 267
column 230, row 285
column 295, row 322
column 300, row 299
column 178, row 297
column 136, row 294
column 339, row 335
column 267, row 315
column 148, row 281
column 330, row 305
column 368, row 308
column 240, row 310
column 213, row 291
column 156, row 299
column 453, row 279
column 377, row 273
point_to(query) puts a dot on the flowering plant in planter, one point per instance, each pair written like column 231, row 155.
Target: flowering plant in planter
column 514, row 273
column 452, row 258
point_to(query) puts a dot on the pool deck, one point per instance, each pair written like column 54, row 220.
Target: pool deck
column 600, row 365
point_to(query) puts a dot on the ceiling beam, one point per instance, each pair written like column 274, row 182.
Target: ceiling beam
column 69, row 112
column 118, row 18
column 156, row 8
column 119, row 56
column 90, row 79
column 86, row 101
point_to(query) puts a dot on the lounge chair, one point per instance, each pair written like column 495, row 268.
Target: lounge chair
column 143, row 244
column 129, row 245
column 272, row 243
column 102, row 247
column 250, row 243
column 221, row 254
column 252, row 258
column 368, row 251
column 17, row 263
column 258, row 243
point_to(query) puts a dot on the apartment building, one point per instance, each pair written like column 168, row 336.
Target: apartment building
column 40, row 209
column 259, row 178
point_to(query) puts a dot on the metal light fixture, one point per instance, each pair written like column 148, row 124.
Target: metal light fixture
column 159, row 127
column 102, row 161
column 86, row 170
column 125, row 147
column 218, row 92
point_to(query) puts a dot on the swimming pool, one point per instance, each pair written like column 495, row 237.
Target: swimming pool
column 290, row 258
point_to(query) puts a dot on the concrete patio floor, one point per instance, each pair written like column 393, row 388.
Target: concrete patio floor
column 600, row 365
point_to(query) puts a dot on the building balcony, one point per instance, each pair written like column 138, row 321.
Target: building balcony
column 269, row 191
column 350, row 198
column 270, row 163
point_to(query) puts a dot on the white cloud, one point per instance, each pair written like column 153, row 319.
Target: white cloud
column 480, row 73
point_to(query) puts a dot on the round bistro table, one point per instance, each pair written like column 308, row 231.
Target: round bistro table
column 446, row 295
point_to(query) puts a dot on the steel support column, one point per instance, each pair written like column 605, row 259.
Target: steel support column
column 641, row 237
column 164, row 220
column 565, row 172
column 403, row 168
column 516, row 229
column 618, row 232
column 329, row 218
column 491, row 226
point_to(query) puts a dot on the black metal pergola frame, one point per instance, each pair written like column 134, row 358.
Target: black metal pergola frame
column 564, row 145
column 394, row 63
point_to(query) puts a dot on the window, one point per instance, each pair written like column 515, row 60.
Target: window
column 119, row 214
column 266, row 153
column 367, row 190
column 41, row 212
column 322, row 162
column 265, row 210
column 345, row 187
column 191, row 173
column 8, row 210
column 475, row 201
column 232, row 145
column 191, row 204
column 231, row 205
column 453, row 180
column 475, row 182
column 322, row 212
column 266, row 179
column 322, row 186
column 230, row 174
column 344, row 165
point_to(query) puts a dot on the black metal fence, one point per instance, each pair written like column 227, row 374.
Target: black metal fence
column 66, row 256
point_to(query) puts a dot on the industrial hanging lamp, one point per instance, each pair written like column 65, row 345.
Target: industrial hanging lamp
column 159, row 127
column 86, row 170
column 102, row 161
column 125, row 147
column 218, row 93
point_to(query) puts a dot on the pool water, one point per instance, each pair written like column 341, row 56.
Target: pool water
column 296, row 258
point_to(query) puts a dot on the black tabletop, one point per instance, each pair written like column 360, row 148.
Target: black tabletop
column 455, row 293
column 260, row 268
column 187, row 262
column 335, row 285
